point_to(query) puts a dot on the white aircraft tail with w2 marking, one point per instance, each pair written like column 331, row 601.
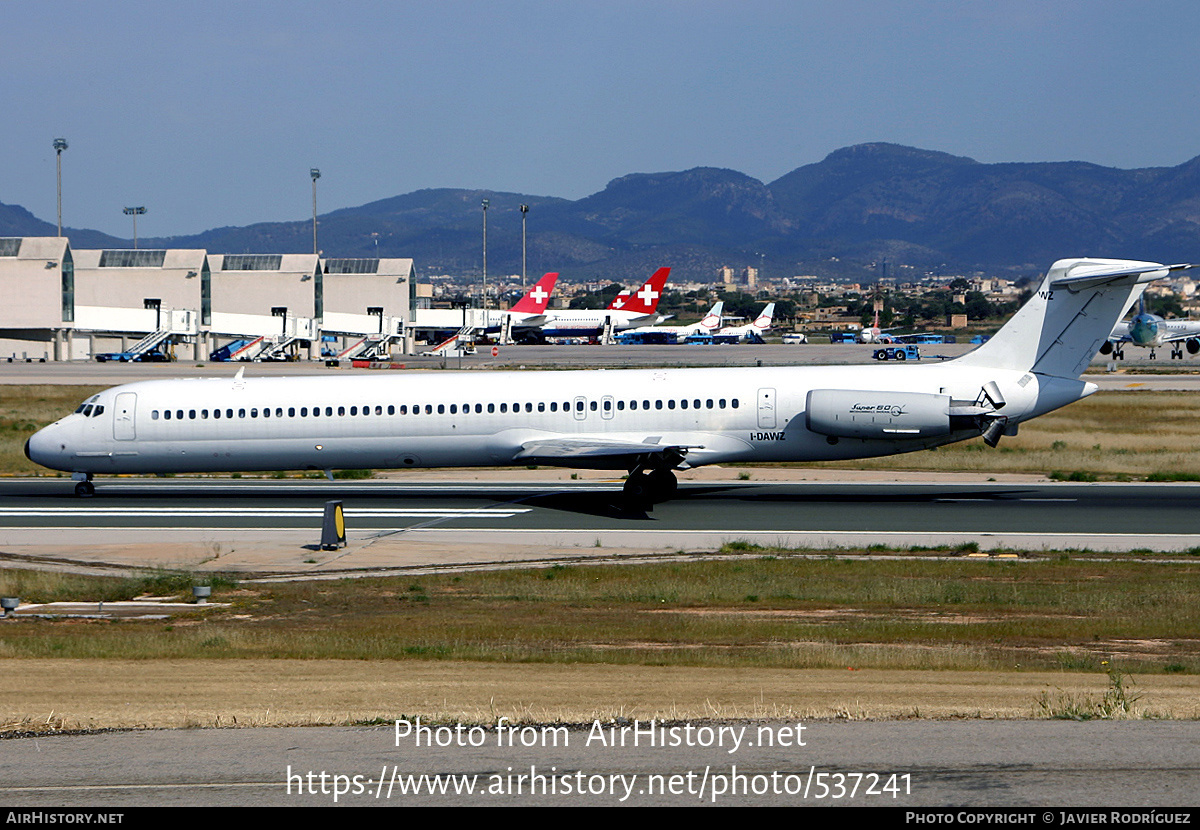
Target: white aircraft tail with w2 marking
column 1068, row 318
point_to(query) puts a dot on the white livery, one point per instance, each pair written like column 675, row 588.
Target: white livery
column 648, row 422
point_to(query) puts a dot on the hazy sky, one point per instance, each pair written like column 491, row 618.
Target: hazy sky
column 212, row 113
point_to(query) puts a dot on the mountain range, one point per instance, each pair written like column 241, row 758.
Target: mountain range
column 842, row 216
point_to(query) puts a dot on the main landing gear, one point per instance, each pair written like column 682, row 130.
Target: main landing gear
column 647, row 487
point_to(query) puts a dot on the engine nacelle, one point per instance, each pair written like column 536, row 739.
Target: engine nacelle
column 852, row 413
column 1193, row 346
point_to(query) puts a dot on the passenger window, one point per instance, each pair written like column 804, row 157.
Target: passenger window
column 378, row 410
column 441, row 409
column 341, row 411
column 191, row 414
column 670, row 404
column 683, row 403
column 491, row 407
column 504, row 407
column 391, row 409
column 734, row 403
column 254, row 412
column 154, row 415
column 354, row 410
column 554, row 406
column 216, row 413
column 541, row 406
column 291, row 412
column 428, row 409
column 328, row 411
column 167, row 414
column 593, row 406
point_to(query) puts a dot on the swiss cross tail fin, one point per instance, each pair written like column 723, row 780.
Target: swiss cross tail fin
column 538, row 297
column 645, row 299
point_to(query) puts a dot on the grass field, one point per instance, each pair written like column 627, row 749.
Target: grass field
column 763, row 636
column 760, row 611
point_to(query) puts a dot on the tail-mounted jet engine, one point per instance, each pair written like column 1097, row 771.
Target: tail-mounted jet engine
column 872, row 414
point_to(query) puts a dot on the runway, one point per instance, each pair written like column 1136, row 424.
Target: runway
column 268, row 526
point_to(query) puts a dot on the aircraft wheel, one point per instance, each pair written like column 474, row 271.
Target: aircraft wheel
column 85, row 489
column 663, row 485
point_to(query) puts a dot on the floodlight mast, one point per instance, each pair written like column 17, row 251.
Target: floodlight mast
column 135, row 212
column 524, row 213
column 485, row 296
column 60, row 144
column 316, row 174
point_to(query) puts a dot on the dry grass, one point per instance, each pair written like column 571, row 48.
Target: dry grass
column 50, row 695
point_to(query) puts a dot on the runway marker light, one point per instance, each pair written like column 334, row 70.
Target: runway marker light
column 201, row 593
column 8, row 605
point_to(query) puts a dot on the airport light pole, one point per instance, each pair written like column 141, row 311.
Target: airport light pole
column 135, row 212
column 524, row 213
column 316, row 174
column 485, row 301
column 60, row 144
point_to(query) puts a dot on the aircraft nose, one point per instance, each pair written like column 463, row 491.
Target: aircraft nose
column 42, row 448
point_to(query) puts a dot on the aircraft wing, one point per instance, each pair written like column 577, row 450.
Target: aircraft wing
column 567, row 449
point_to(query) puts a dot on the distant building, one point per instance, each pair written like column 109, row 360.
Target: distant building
column 76, row 303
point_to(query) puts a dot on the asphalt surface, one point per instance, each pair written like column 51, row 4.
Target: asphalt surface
column 1038, row 766
column 274, row 527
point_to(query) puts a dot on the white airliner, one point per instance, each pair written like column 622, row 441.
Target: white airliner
column 626, row 312
column 753, row 332
column 1153, row 332
column 648, row 422
column 707, row 324
column 530, row 310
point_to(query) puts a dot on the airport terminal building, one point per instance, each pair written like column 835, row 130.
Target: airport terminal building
column 65, row 304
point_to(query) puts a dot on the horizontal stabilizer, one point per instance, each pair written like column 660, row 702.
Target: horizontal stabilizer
column 1089, row 276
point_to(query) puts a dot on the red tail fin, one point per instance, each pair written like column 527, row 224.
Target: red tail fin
column 538, row 297
column 645, row 299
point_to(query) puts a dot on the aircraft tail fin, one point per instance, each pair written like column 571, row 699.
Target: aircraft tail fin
column 645, row 299
column 764, row 319
column 712, row 320
column 1070, row 316
column 538, row 297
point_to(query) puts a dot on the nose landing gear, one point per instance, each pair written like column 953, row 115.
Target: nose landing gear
column 83, row 485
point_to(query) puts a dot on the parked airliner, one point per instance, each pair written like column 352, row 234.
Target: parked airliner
column 1152, row 332
column 707, row 324
column 753, row 332
column 637, row 309
column 648, row 422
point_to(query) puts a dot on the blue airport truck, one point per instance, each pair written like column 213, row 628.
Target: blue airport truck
column 898, row 353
